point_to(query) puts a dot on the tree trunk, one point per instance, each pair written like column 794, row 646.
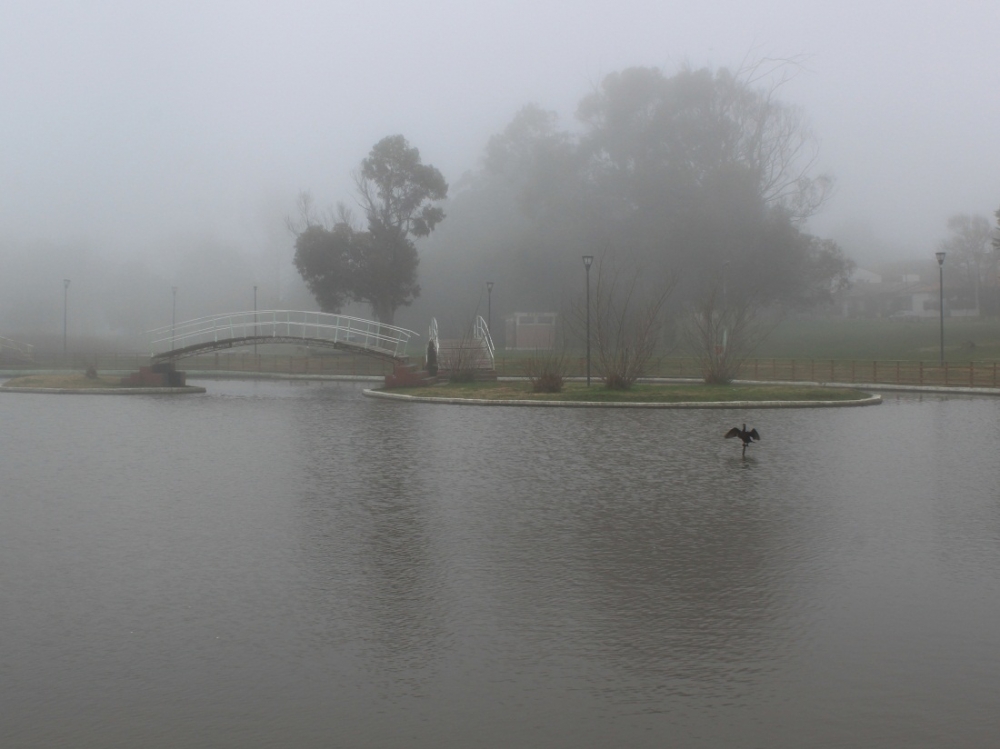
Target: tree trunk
column 383, row 312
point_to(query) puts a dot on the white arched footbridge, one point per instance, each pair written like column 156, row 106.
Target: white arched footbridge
column 230, row 330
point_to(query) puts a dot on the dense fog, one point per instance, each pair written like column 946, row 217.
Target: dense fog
column 152, row 146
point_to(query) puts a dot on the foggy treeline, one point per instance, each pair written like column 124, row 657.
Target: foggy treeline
column 695, row 176
column 707, row 177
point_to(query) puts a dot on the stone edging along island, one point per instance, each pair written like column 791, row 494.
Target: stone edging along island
column 871, row 400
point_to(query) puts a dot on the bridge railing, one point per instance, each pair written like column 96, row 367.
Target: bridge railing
column 284, row 324
column 15, row 349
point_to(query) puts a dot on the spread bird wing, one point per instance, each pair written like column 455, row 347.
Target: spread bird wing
column 754, row 435
column 734, row 432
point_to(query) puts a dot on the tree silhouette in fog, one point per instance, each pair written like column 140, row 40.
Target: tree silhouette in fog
column 378, row 265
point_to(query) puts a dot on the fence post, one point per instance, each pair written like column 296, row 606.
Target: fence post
column 852, row 370
column 946, row 374
column 874, row 370
column 972, row 379
column 897, row 372
column 920, row 373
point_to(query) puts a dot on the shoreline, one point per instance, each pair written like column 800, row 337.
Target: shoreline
column 186, row 390
column 226, row 375
column 871, row 400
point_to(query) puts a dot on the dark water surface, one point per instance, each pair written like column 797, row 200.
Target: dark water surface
column 295, row 565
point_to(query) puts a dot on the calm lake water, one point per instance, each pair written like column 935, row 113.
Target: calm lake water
column 279, row 564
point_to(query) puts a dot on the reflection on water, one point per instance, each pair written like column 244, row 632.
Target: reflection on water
column 368, row 536
column 277, row 564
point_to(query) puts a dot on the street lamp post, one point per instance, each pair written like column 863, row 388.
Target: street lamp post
column 489, row 308
column 65, row 318
column 587, row 260
column 255, row 321
column 725, row 307
column 725, row 267
column 173, row 316
column 940, row 259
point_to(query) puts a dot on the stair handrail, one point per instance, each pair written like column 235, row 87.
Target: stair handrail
column 481, row 332
column 432, row 335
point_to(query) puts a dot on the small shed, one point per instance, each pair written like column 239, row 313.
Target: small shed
column 530, row 330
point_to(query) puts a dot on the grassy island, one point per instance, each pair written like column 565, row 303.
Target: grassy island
column 640, row 393
column 68, row 381
column 78, row 382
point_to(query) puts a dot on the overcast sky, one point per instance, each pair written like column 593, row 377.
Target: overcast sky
column 137, row 126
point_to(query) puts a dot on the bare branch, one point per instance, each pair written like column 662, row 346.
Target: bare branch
column 305, row 214
column 724, row 335
column 627, row 323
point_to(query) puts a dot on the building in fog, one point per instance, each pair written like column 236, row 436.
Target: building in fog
column 530, row 330
column 905, row 297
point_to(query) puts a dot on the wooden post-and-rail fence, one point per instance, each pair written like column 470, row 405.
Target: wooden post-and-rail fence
column 851, row 371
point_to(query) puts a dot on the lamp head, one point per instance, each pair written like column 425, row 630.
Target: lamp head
column 940, row 257
column 587, row 260
column 489, row 286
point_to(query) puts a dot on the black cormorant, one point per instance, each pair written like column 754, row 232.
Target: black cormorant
column 743, row 434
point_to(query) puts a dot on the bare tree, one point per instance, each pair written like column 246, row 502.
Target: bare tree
column 724, row 333
column 546, row 369
column 305, row 217
column 468, row 357
column 969, row 245
column 626, row 322
column 772, row 138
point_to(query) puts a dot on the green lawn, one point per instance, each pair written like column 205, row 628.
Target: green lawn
column 841, row 340
column 884, row 340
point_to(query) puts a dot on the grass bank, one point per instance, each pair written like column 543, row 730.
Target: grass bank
column 642, row 393
column 966, row 339
column 824, row 339
column 72, row 381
